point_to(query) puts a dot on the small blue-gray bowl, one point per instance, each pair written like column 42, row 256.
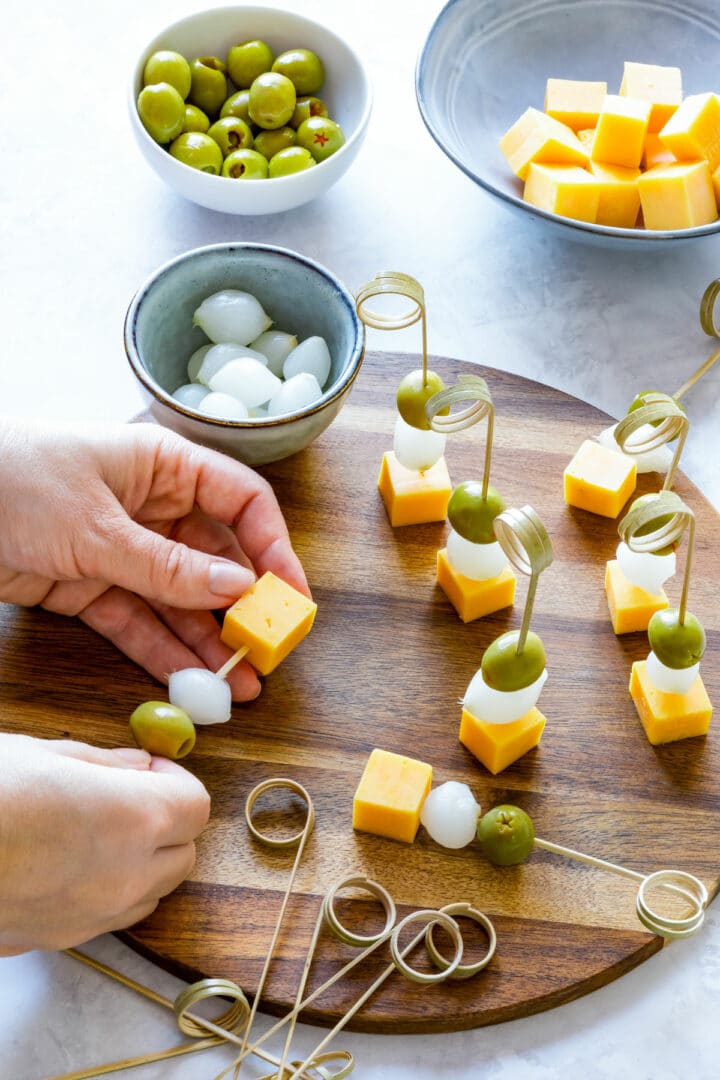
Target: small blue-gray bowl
column 301, row 297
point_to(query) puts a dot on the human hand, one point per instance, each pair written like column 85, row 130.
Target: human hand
column 90, row 839
column 140, row 533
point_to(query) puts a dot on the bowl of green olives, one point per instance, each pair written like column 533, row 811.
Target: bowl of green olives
column 168, row 325
column 249, row 110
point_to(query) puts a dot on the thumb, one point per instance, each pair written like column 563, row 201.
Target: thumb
column 147, row 563
column 126, row 757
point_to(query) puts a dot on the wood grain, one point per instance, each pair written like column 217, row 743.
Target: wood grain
column 385, row 666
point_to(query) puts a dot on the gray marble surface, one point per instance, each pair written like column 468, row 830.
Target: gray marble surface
column 84, row 220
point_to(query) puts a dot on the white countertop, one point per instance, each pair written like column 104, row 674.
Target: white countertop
column 84, row 220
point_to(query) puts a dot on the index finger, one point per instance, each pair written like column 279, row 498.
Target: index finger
column 240, row 498
column 186, row 802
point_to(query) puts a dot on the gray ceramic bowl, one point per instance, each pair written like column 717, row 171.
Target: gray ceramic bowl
column 485, row 61
column 300, row 296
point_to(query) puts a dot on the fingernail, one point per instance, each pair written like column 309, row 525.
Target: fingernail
column 133, row 756
column 229, row 579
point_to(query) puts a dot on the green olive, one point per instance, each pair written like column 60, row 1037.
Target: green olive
column 168, row 67
column 272, row 100
column 245, row 165
column 307, row 107
column 198, row 151
column 237, row 105
column 506, row 835
column 195, row 119
column 503, row 668
column 321, row 136
column 471, row 515
column 677, row 645
column 292, row 160
column 303, row 68
column 231, row 133
column 270, row 143
column 248, row 60
column 162, row 729
column 208, row 89
column 162, row 111
column 412, row 395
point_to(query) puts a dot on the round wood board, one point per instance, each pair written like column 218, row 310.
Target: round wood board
column 384, row 666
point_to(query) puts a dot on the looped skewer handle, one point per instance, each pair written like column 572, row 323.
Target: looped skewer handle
column 679, row 881
column 474, row 389
column 665, row 519
column 525, row 541
column 667, row 421
column 397, row 284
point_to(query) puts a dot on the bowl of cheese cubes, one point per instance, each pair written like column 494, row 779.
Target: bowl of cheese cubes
column 247, row 348
column 602, row 119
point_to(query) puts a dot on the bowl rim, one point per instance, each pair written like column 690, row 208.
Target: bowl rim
column 337, row 390
column 611, row 231
column 229, row 10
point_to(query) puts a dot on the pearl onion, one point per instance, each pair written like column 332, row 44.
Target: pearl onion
column 476, row 561
column 191, row 394
column 500, row 706
column 642, row 568
column 417, row 449
column 450, row 814
column 670, row 680
column 204, row 696
column 658, row 460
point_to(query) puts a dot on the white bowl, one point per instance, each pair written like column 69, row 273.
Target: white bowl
column 301, row 297
column 485, row 61
column 346, row 92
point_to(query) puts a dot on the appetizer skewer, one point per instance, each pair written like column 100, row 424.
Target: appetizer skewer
column 500, row 721
column 472, row 569
column 263, row 626
column 414, row 481
column 667, row 688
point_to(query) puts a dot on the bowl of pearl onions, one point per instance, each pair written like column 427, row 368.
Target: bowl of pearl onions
column 247, row 348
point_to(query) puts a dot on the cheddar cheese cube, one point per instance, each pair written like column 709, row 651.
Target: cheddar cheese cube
column 271, row 618
column 661, row 86
column 599, row 480
column 563, row 189
column 575, row 103
column 538, row 137
column 412, row 497
column 631, row 608
column 655, row 153
column 498, row 745
column 678, row 196
column 473, row 599
column 621, row 130
column 693, row 131
column 390, row 795
column 619, row 196
column 669, row 717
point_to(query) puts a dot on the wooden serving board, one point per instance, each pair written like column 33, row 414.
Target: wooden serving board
column 385, row 665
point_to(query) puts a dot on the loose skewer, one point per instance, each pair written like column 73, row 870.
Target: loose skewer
column 299, row 840
column 676, row 880
column 391, row 281
column 524, row 539
column 224, row 1028
column 399, row 963
column 367, row 942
